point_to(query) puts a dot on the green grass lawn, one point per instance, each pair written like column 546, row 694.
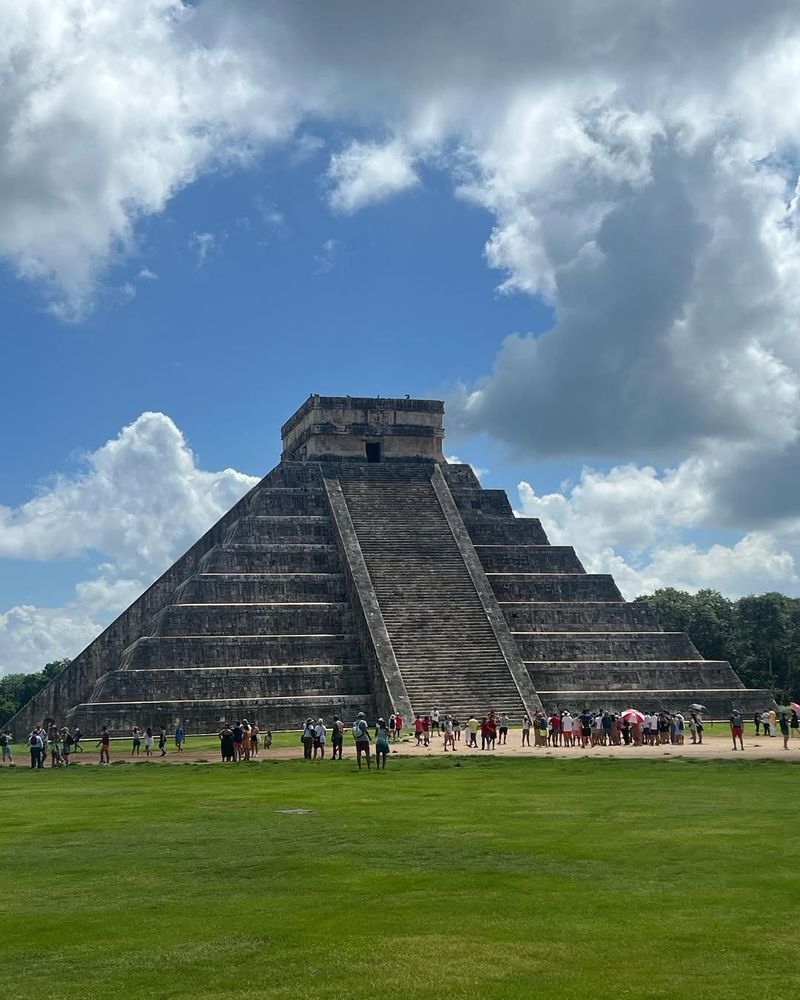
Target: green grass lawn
column 485, row 877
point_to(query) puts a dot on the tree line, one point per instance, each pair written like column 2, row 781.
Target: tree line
column 17, row 690
column 759, row 635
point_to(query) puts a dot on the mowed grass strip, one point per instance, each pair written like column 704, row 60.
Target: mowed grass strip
column 482, row 877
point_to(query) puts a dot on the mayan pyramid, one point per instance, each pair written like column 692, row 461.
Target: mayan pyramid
column 366, row 573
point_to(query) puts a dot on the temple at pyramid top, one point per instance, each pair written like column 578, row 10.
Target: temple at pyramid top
column 364, row 429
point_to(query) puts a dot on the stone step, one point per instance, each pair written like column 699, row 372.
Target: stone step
column 238, row 651
column 277, row 529
column 209, row 715
column 298, row 502
column 275, row 558
column 233, row 682
column 248, row 588
column 609, row 675
column 578, row 616
column 252, row 619
column 529, row 559
column 506, row 531
column 575, row 587
column 608, row 645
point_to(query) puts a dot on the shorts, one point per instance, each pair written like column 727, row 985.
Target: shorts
column 7, row 752
column 363, row 746
column 503, row 730
column 737, row 730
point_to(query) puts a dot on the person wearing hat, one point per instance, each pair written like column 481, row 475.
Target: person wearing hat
column 307, row 739
column 362, row 740
column 320, row 736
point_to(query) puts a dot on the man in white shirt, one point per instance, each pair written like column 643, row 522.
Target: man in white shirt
column 320, row 737
column 567, row 728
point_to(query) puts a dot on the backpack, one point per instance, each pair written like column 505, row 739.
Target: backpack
column 359, row 728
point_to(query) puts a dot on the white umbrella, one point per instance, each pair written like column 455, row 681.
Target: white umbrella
column 633, row 715
column 698, row 708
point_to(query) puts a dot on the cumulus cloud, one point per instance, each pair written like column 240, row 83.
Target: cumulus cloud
column 106, row 110
column 364, row 173
column 632, row 522
column 140, row 501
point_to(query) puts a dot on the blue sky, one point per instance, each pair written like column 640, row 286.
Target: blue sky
column 211, row 218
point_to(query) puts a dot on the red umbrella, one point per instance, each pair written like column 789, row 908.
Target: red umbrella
column 633, row 715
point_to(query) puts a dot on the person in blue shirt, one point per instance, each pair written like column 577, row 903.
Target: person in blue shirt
column 180, row 736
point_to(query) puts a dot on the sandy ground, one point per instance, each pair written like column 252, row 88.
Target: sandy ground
column 713, row 748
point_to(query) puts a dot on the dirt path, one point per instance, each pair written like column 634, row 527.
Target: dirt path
column 714, row 748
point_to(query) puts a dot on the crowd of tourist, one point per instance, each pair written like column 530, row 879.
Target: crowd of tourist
column 558, row 728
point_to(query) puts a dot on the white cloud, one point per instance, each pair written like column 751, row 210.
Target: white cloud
column 141, row 501
column 631, row 522
column 327, row 255
column 106, row 110
column 364, row 173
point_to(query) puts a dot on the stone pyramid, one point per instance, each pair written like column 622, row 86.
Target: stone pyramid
column 366, row 573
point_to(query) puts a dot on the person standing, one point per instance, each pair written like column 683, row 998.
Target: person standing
column 337, row 737
column 36, row 746
column 320, row 738
column 698, row 721
column 362, row 740
column 757, row 721
column 226, row 748
column 392, row 718
column 737, row 727
column 247, row 741
column 526, row 731
column 382, row 745
column 449, row 734
column 105, row 745
column 148, row 742
column 418, row 729
column 5, row 748
column 307, row 739
column 254, row 734
column 180, row 736
column 66, row 745
column 137, row 742
column 162, row 741
column 472, row 726
column 765, row 722
column 783, row 722
column 398, row 726
column 434, row 721
column 794, row 723
column 773, row 722
column 504, row 720
column 77, row 735
column 426, row 731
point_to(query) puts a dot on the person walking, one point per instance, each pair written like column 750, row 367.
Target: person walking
column 698, row 724
column 180, row 736
column 737, row 728
column 362, row 740
column 162, row 741
column 449, row 734
column 77, row 736
column 137, row 742
column 794, row 723
column 783, row 722
column 148, row 742
column 5, row 748
column 382, row 745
